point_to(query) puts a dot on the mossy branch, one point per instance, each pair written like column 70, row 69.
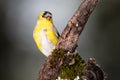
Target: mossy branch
column 65, row 61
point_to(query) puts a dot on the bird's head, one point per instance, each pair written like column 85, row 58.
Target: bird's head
column 45, row 15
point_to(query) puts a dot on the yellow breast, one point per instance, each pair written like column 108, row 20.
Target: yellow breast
column 47, row 26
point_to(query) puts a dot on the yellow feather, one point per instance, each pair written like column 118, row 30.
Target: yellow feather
column 44, row 24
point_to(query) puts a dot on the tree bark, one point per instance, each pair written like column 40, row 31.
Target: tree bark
column 69, row 37
column 68, row 42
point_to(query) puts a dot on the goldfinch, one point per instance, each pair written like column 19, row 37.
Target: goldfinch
column 45, row 34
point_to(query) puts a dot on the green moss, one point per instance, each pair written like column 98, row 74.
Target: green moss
column 67, row 71
column 56, row 54
column 72, row 71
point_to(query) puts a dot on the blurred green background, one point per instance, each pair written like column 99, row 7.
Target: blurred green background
column 21, row 60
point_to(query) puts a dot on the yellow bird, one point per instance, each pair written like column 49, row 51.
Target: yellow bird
column 45, row 34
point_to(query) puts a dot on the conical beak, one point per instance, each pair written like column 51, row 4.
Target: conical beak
column 48, row 18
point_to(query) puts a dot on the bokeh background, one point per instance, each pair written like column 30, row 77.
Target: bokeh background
column 21, row 60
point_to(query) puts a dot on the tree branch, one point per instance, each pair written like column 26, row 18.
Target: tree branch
column 69, row 37
column 65, row 62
